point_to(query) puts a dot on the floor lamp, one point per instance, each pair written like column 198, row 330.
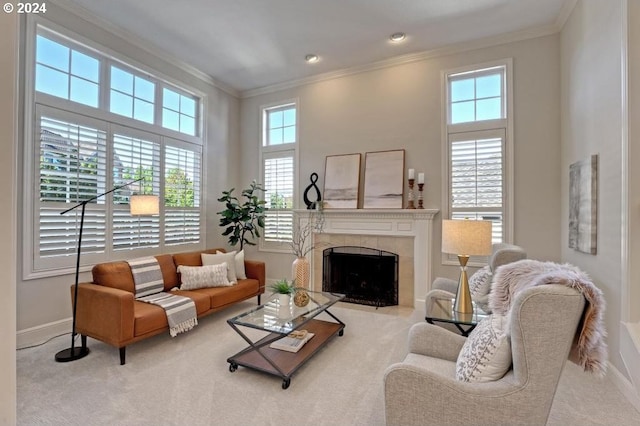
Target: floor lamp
column 465, row 238
column 144, row 204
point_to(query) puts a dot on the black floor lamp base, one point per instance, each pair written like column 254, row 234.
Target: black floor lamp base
column 72, row 354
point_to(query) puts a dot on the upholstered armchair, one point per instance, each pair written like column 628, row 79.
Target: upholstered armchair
column 480, row 281
column 423, row 389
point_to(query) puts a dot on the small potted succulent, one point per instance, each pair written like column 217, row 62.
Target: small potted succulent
column 283, row 289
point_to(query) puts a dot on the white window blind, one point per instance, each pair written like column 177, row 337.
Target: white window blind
column 182, row 196
column 477, row 177
column 278, row 184
column 72, row 164
column 134, row 158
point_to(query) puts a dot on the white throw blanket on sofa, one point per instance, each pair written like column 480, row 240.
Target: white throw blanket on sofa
column 147, row 277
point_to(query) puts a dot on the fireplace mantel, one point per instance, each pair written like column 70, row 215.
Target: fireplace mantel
column 414, row 223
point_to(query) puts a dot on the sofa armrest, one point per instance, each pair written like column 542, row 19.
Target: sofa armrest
column 256, row 269
column 430, row 340
column 445, row 284
column 104, row 313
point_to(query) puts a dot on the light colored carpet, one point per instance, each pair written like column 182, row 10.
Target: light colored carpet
column 186, row 381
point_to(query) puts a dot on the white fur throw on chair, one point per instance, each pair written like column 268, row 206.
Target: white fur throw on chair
column 589, row 349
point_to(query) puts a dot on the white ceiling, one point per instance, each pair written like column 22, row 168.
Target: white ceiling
column 250, row 44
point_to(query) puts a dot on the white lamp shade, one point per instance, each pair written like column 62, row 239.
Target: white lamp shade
column 466, row 237
column 144, row 204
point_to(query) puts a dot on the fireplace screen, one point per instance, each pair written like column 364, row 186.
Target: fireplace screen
column 367, row 276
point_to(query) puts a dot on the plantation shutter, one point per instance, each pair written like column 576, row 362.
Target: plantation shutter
column 72, row 166
column 278, row 185
column 477, row 177
column 181, row 196
column 134, row 158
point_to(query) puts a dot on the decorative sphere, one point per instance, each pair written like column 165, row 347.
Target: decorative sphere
column 301, row 298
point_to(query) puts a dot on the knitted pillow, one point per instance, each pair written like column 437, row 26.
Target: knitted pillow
column 486, row 354
column 480, row 282
column 194, row 277
column 228, row 258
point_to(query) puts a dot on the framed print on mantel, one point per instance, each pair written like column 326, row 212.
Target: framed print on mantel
column 341, row 181
column 384, row 179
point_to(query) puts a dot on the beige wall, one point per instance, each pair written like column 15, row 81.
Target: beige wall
column 46, row 301
column 400, row 107
column 592, row 123
column 8, row 142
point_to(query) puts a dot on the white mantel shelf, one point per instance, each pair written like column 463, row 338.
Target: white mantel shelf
column 415, row 223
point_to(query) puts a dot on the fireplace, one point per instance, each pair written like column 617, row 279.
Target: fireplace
column 366, row 276
column 406, row 232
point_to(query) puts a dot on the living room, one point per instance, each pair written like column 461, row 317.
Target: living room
column 574, row 95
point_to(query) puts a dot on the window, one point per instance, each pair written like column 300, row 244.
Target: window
column 278, row 170
column 93, row 131
column 131, row 95
column 66, row 73
column 479, row 145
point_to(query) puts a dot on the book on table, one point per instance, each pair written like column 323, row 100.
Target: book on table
column 291, row 344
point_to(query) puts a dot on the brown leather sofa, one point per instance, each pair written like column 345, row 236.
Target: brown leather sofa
column 107, row 310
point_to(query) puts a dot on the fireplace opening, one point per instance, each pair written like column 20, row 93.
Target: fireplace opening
column 366, row 276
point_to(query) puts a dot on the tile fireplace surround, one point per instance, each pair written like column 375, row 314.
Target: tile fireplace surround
column 406, row 232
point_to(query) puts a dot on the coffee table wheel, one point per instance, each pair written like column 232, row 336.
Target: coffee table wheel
column 341, row 333
column 285, row 383
column 233, row 366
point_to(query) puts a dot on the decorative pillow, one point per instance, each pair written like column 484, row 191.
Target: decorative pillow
column 194, row 277
column 486, row 354
column 217, row 259
column 480, row 282
column 240, row 272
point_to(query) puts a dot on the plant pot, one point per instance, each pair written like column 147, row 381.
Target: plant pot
column 284, row 300
column 300, row 271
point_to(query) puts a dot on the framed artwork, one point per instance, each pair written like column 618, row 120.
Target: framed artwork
column 583, row 205
column 341, row 181
column 384, row 179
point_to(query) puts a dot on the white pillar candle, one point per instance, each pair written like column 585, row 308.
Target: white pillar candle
column 420, row 177
column 412, row 174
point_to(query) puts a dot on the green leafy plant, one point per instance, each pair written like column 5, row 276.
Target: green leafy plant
column 243, row 221
column 283, row 286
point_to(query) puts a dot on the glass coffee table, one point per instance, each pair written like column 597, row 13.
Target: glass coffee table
column 440, row 309
column 279, row 321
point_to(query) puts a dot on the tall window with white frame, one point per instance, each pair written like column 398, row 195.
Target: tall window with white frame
column 278, row 161
column 477, row 146
column 100, row 123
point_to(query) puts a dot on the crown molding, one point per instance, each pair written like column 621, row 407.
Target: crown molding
column 138, row 42
column 526, row 34
column 565, row 12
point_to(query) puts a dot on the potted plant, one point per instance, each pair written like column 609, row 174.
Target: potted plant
column 283, row 289
column 243, row 221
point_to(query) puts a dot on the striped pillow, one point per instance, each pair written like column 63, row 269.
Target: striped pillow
column 193, row 277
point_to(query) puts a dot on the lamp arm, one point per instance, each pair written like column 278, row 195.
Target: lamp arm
column 85, row 202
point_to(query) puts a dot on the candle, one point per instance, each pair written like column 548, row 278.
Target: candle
column 420, row 177
column 412, row 174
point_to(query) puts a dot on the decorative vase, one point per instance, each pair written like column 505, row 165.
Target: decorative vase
column 300, row 271
column 301, row 298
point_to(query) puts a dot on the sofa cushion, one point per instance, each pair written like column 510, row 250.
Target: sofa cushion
column 217, row 259
column 148, row 318
column 168, row 268
column 194, row 277
column 202, row 301
column 115, row 275
column 193, row 258
column 222, row 296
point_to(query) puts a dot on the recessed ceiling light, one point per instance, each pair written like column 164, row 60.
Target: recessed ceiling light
column 397, row 37
column 311, row 58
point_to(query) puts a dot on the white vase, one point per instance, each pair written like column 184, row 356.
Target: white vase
column 283, row 300
column 284, row 306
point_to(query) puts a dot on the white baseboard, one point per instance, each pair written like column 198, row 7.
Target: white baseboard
column 623, row 385
column 42, row 333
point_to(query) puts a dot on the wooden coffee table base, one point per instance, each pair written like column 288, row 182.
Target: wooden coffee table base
column 259, row 356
